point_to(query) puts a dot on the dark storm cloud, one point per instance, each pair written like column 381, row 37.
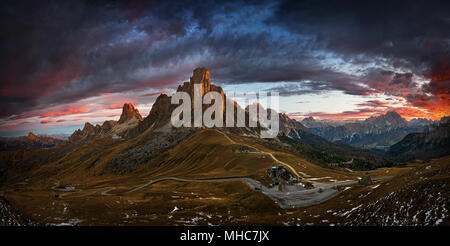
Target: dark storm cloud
column 410, row 33
column 57, row 52
column 323, row 81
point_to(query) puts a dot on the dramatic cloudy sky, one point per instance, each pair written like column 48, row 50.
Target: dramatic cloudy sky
column 67, row 62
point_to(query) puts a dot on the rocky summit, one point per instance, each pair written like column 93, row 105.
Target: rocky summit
column 129, row 118
column 129, row 113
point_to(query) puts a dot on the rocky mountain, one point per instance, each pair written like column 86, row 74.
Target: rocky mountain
column 421, row 122
column 310, row 122
column 129, row 113
column 31, row 141
column 155, row 134
column 297, row 131
column 129, row 118
column 423, row 146
column 159, row 117
column 373, row 133
column 390, row 120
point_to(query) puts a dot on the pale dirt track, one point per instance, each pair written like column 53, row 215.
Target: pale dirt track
column 263, row 152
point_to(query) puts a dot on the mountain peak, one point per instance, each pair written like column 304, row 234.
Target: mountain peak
column 390, row 119
column 393, row 114
column 201, row 76
column 309, row 119
column 31, row 135
column 88, row 125
column 128, row 113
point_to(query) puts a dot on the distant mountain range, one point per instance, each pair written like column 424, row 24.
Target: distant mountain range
column 373, row 133
column 30, row 141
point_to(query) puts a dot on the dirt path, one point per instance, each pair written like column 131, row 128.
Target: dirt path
column 263, row 152
column 105, row 190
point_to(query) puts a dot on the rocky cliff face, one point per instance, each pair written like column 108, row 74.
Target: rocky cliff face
column 290, row 127
column 162, row 109
column 390, row 120
column 129, row 118
column 88, row 132
column 310, row 122
column 129, row 113
column 200, row 76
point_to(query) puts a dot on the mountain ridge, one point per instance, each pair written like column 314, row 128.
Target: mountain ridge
column 378, row 132
column 30, row 141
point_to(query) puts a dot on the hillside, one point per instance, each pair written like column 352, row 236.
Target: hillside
column 423, row 146
column 418, row 197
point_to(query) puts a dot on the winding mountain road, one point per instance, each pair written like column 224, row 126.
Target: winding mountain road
column 263, row 152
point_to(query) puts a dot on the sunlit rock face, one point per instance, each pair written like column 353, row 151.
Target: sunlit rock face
column 128, row 113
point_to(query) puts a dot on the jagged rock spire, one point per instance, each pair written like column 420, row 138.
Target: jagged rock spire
column 128, row 113
column 201, row 76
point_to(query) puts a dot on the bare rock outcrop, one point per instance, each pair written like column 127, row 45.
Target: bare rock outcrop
column 129, row 113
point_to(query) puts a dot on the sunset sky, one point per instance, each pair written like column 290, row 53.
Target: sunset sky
column 64, row 63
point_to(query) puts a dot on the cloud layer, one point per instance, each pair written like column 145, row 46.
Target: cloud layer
column 66, row 58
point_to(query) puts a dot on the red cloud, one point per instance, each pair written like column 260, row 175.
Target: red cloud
column 46, row 121
column 113, row 106
column 48, row 82
column 14, row 123
column 66, row 111
column 62, row 120
column 359, row 114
